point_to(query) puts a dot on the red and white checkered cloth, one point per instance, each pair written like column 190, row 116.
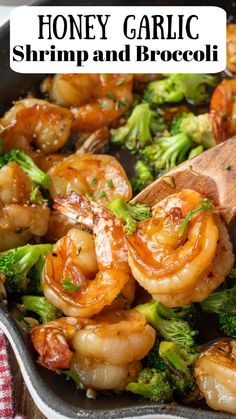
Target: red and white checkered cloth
column 6, row 400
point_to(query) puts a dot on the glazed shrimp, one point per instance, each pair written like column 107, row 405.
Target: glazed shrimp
column 96, row 100
column 179, row 270
column 95, row 290
column 231, row 47
column 20, row 221
column 223, row 110
column 107, row 354
column 215, row 371
column 52, row 340
column 35, row 122
column 98, row 176
column 104, row 351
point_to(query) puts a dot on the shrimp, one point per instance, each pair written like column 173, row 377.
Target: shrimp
column 107, row 354
column 231, row 47
column 36, row 122
column 52, row 340
column 215, row 371
column 223, row 110
column 99, row 176
column 96, row 100
column 117, row 337
column 70, row 260
column 179, row 270
column 20, row 222
column 104, row 351
column 100, row 376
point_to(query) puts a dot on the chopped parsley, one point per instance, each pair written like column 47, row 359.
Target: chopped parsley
column 73, row 376
column 111, row 95
column 69, row 286
column 121, row 81
column 206, row 205
column 121, row 104
column 93, row 181
column 110, row 184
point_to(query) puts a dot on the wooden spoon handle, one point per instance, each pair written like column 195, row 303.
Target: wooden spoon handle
column 212, row 173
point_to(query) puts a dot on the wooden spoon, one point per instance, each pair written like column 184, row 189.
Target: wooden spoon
column 212, row 173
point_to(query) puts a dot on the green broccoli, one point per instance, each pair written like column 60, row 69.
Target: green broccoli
column 180, row 362
column 166, row 152
column 35, row 276
column 195, row 88
column 152, row 384
column 42, row 307
column 153, row 359
column 168, row 323
column 27, row 164
column 16, row 263
column 223, row 303
column 144, row 176
column 197, row 127
column 129, row 213
column 138, row 130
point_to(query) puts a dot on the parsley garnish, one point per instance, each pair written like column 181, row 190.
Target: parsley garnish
column 93, row 181
column 121, row 103
column 110, row 183
column 69, row 286
column 120, row 82
column 206, row 205
column 102, row 194
column 111, row 95
column 73, row 376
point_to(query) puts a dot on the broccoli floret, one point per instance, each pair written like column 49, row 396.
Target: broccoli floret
column 16, row 263
column 137, row 132
column 223, row 303
column 35, row 276
column 227, row 318
column 42, row 307
column 195, row 88
column 129, row 213
column 152, row 384
column 197, row 127
column 166, row 152
column 27, row 164
column 153, row 359
column 144, row 176
column 169, row 326
column 180, row 363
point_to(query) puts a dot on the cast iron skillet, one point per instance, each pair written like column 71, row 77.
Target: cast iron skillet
column 56, row 397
